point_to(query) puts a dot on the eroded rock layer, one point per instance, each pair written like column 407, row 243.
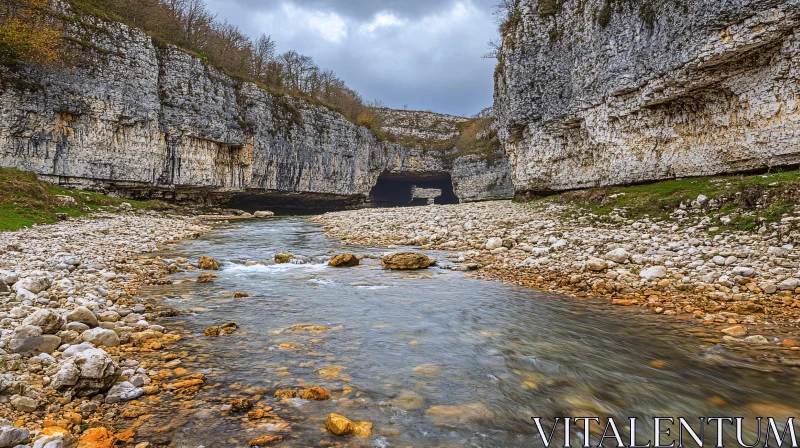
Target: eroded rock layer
column 148, row 121
column 601, row 92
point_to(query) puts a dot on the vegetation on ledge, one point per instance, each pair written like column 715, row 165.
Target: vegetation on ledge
column 740, row 202
column 25, row 200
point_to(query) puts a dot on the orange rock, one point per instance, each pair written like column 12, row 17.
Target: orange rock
column 284, row 393
column 187, row 384
column 265, row 440
column 343, row 426
column 788, row 343
column 126, row 436
column 96, row 438
column 315, row 394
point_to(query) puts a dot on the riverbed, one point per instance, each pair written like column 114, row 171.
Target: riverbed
column 430, row 358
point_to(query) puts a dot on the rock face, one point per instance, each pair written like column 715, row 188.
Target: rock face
column 149, row 121
column 596, row 92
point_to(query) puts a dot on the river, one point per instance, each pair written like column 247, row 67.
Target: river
column 402, row 348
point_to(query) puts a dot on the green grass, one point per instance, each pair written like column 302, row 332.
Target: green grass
column 747, row 199
column 25, row 200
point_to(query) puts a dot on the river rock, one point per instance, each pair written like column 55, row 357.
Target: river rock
column 407, row 261
column 596, row 265
column 655, row 272
column 3, row 287
column 83, row 315
column 744, row 271
column 461, row 415
column 343, row 261
column 48, row 320
column 207, row 278
column 736, row 330
column 343, row 426
column 29, row 340
column 618, row 255
column 283, row 257
column 8, row 277
column 790, row 284
column 221, row 330
column 87, row 373
column 315, row 394
column 24, row 404
column 101, row 337
column 494, row 243
column 124, row 391
column 408, row 400
column 11, row 436
column 263, row 214
column 33, row 284
column 208, row 264
column 76, row 349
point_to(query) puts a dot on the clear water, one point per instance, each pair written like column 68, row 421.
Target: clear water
column 514, row 351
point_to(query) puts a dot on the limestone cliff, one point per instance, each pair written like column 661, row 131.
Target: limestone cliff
column 600, row 92
column 151, row 121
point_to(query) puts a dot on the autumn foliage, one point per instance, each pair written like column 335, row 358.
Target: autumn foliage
column 28, row 32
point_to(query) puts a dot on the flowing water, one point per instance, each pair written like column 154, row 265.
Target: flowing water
column 402, row 348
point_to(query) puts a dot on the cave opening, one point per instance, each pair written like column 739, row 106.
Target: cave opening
column 410, row 190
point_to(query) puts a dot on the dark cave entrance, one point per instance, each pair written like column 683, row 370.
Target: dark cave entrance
column 408, row 190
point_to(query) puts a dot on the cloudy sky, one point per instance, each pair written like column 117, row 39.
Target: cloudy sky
column 424, row 54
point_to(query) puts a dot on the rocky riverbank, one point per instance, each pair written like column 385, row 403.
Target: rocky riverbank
column 75, row 339
column 736, row 282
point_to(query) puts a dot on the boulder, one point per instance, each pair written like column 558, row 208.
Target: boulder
column 33, row 284
column 29, row 340
column 76, row 349
column 596, row 265
column 619, row 255
column 87, row 373
column 263, row 214
column 101, row 337
column 344, row 261
column 208, row 264
column 83, row 315
column 48, row 320
column 407, row 261
column 11, row 436
column 283, row 257
column 494, row 243
column 343, row 426
column 8, row 277
column 315, row 394
column 655, row 272
column 24, row 404
column 790, row 284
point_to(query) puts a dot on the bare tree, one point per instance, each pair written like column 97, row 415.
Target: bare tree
column 263, row 54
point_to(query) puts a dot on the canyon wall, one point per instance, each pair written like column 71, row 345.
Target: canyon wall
column 605, row 92
column 141, row 120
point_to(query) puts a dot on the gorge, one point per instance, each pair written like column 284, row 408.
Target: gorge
column 144, row 120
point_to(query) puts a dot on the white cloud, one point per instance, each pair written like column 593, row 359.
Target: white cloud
column 381, row 20
column 329, row 25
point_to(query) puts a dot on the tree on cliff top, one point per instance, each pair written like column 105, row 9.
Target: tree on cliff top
column 28, row 32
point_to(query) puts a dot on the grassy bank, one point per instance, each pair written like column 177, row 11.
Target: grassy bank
column 741, row 202
column 25, row 200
